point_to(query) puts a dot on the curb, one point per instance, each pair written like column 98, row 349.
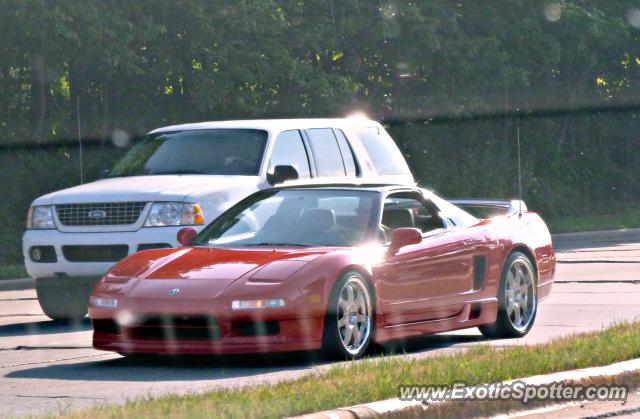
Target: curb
column 17, row 284
column 396, row 407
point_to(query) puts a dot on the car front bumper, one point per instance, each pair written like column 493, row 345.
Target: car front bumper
column 81, row 268
column 292, row 335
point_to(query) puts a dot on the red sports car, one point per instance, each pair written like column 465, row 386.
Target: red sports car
column 329, row 267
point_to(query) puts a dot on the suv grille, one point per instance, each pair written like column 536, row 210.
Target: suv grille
column 99, row 213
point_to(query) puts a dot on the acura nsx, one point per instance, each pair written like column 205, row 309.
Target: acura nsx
column 329, row 267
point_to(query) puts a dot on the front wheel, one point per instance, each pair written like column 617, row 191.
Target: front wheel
column 517, row 299
column 64, row 299
column 349, row 319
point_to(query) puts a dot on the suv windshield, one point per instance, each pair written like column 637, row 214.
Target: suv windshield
column 296, row 217
column 211, row 152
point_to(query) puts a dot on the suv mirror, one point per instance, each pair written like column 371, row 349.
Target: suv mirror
column 186, row 235
column 282, row 173
column 104, row 173
column 404, row 236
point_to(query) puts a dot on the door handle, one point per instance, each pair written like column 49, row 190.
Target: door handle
column 467, row 242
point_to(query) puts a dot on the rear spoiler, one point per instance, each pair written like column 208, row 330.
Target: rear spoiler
column 487, row 208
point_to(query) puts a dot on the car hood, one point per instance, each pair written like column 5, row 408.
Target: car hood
column 150, row 188
column 204, row 272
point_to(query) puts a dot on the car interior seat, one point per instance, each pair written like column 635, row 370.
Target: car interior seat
column 393, row 218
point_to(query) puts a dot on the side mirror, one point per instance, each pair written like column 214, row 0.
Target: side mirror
column 404, row 236
column 104, row 173
column 282, row 173
column 186, row 235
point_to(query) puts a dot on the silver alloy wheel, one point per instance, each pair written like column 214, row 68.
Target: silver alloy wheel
column 354, row 315
column 520, row 295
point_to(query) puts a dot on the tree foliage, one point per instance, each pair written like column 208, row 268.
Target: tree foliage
column 141, row 64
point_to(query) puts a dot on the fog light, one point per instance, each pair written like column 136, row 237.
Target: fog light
column 36, row 254
column 250, row 304
column 43, row 254
column 104, row 302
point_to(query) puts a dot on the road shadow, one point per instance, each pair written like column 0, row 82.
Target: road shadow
column 44, row 327
column 199, row 368
column 425, row 344
column 596, row 244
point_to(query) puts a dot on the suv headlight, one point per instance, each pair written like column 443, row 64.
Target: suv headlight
column 164, row 214
column 40, row 217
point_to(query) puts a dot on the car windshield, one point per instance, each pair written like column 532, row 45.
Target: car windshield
column 296, row 217
column 211, row 152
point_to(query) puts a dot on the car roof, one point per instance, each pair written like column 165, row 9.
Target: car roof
column 274, row 125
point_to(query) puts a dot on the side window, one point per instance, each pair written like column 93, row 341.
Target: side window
column 384, row 153
column 326, row 152
column 407, row 210
column 347, row 153
column 289, row 150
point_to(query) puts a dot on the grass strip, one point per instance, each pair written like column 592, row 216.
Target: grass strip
column 13, row 271
column 379, row 378
column 624, row 219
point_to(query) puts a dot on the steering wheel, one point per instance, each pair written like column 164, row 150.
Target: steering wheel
column 239, row 161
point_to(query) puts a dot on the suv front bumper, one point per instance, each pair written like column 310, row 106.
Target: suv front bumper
column 83, row 264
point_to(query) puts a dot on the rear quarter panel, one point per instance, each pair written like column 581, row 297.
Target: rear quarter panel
column 529, row 233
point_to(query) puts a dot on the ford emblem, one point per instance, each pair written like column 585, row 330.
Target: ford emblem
column 97, row 214
column 174, row 291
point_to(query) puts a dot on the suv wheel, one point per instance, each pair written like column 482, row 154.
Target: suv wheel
column 64, row 299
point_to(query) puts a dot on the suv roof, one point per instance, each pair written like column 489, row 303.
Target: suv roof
column 374, row 186
column 274, row 124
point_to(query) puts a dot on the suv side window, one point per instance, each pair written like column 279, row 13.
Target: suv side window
column 326, row 152
column 289, row 150
column 408, row 210
column 347, row 154
column 384, row 153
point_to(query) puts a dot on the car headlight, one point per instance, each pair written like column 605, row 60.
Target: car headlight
column 103, row 302
column 40, row 217
column 250, row 304
column 174, row 214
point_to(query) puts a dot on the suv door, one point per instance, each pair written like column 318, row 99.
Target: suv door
column 426, row 281
column 289, row 149
column 332, row 155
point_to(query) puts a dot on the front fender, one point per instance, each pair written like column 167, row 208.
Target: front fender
column 316, row 280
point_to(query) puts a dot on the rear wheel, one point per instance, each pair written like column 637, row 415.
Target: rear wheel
column 64, row 299
column 349, row 319
column 517, row 299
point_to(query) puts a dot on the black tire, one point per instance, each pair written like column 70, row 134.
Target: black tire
column 333, row 346
column 504, row 326
column 64, row 299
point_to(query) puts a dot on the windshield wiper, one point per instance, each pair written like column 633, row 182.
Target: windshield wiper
column 180, row 172
column 277, row 244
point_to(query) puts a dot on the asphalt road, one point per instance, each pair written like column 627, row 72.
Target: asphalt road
column 50, row 368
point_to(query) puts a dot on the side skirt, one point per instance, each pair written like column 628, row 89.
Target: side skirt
column 473, row 314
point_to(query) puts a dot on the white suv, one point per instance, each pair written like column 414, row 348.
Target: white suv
column 187, row 175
